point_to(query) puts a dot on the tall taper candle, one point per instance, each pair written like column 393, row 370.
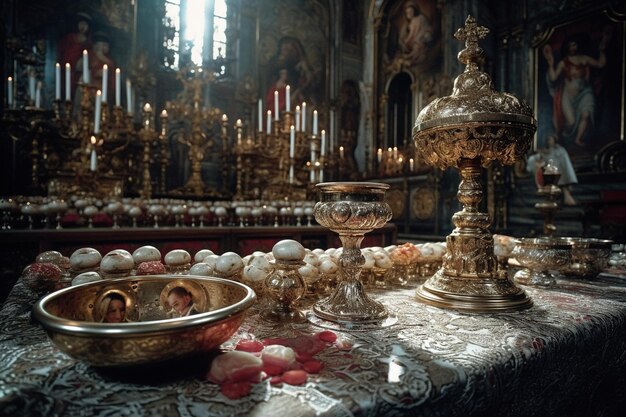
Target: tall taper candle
column 85, row 66
column 315, row 122
column 323, row 143
column 288, row 98
column 292, row 141
column 68, row 81
column 105, row 82
column 118, row 87
column 10, row 92
column 276, row 109
column 260, row 119
column 297, row 117
column 129, row 102
column 57, row 81
column 269, row 122
column 31, row 85
column 97, row 113
column 93, row 162
column 303, row 116
column 38, row 95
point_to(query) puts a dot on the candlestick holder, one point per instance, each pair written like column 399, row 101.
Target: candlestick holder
column 469, row 129
column 351, row 209
column 551, row 192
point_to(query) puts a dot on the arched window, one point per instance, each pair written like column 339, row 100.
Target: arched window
column 195, row 32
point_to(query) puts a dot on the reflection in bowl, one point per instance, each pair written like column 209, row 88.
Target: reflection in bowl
column 539, row 256
column 589, row 257
column 136, row 320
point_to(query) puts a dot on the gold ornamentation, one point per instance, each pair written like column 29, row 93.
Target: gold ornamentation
column 395, row 199
column 472, row 128
column 351, row 209
column 423, row 203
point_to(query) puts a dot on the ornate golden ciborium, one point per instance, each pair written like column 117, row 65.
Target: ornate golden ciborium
column 351, row 209
column 472, row 128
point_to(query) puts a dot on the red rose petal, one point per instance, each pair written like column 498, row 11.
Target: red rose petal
column 235, row 390
column 272, row 370
column 313, row 367
column 303, row 357
column 327, row 336
column 249, row 346
column 276, row 380
column 296, row 377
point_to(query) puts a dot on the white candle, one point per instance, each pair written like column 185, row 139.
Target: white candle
column 411, row 164
column 288, row 98
column 379, row 155
column 38, row 95
column 395, row 152
column 68, row 81
column 323, row 143
column 57, row 81
column 315, row 122
column 129, row 103
column 238, row 124
column 297, row 117
column 105, row 82
column 291, row 174
column 269, row 122
column 276, row 109
column 292, row 142
column 118, row 87
column 93, row 163
column 312, row 173
column 85, row 66
column 321, row 175
column 303, row 116
column 260, row 119
column 98, row 112
column 341, row 152
column 31, row 85
column 10, row 92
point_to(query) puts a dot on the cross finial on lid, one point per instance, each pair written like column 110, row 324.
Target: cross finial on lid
column 471, row 33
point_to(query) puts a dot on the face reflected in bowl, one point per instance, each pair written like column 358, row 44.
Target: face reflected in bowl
column 137, row 320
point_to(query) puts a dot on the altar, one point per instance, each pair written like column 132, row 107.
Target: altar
column 563, row 356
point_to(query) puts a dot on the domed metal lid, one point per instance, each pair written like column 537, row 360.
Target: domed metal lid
column 473, row 99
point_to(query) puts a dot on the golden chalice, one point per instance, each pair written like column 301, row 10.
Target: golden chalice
column 472, row 128
column 351, row 209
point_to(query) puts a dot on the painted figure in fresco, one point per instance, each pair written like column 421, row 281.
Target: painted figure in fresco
column 556, row 155
column 98, row 56
column 113, row 309
column 279, row 85
column 302, row 77
column 181, row 302
column 571, row 88
column 416, row 34
column 70, row 47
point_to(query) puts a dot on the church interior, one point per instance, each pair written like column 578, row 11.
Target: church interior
column 468, row 156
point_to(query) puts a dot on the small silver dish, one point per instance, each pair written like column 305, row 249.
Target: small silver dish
column 539, row 256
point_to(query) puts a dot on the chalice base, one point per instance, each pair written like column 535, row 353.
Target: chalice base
column 283, row 316
column 534, row 278
column 350, row 304
column 473, row 294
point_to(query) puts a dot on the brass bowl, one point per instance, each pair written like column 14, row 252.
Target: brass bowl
column 75, row 318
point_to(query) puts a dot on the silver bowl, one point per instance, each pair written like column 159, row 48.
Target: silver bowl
column 589, row 257
column 77, row 319
column 539, row 256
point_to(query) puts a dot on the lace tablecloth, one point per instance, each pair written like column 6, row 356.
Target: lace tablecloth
column 566, row 356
